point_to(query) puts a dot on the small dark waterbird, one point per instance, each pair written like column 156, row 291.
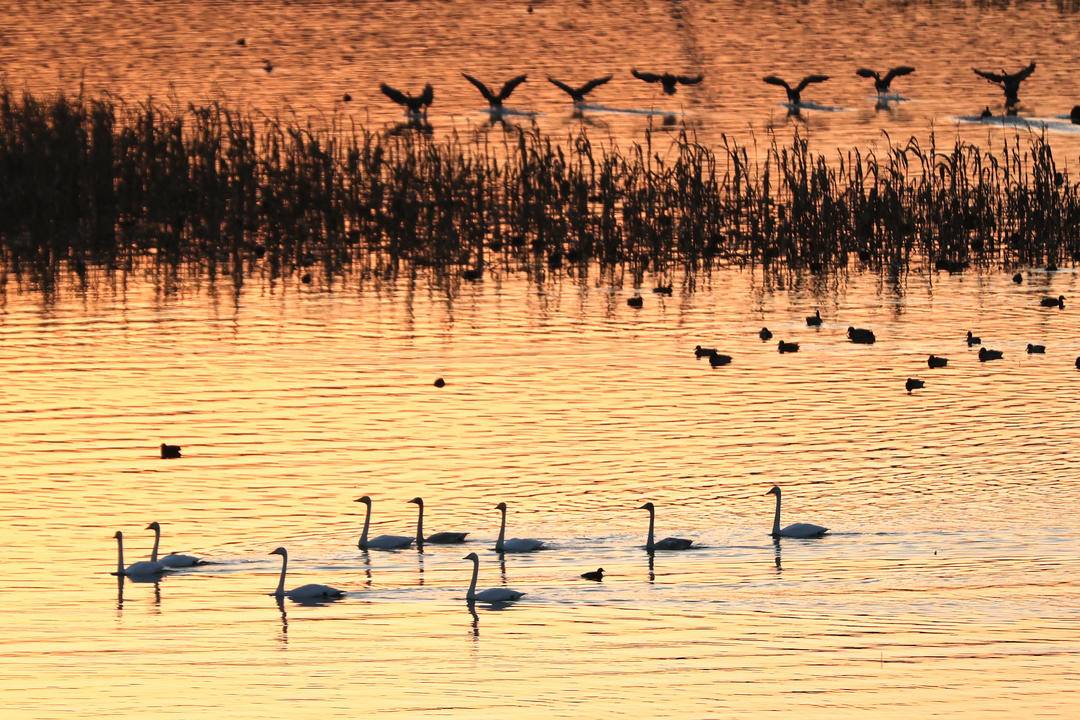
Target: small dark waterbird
column 794, row 94
column 973, row 339
column 1008, row 82
column 862, row 336
column 268, row 66
column 577, row 94
column 415, row 105
column 814, row 320
column 1036, row 349
column 669, row 81
column 439, row 382
column 496, row 100
column 596, row 575
column 1058, row 302
column 787, row 347
column 703, row 351
column 636, row 302
column 936, row 362
column 169, row 452
column 1074, row 115
column 881, row 84
column 765, row 334
column 716, row 359
column 986, row 355
column 913, row 384
column 1018, row 278
column 663, row 290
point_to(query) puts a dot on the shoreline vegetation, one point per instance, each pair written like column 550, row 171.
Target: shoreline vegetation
column 93, row 182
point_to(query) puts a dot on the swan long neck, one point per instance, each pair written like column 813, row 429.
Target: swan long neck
column 367, row 522
column 157, row 539
column 471, row 595
column 281, row 579
column 120, row 556
column 650, row 543
column 420, row 525
column 776, row 518
column 502, row 532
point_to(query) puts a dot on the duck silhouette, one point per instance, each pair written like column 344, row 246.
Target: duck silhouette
column 794, row 94
column 577, row 94
column 716, row 359
column 973, row 339
column 703, row 351
column 862, row 336
column 814, row 320
column 1036, row 349
column 415, row 105
column 1058, row 302
column 787, row 347
column 881, row 84
column 1008, row 82
column 596, row 575
column 765, row 334
column 986, row 355
column 913, row 384
column 936, row 362
column 669, row 81
column 169, row 452
column 495, row 100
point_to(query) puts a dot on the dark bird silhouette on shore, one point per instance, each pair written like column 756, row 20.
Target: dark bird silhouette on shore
column 986, row 113
column 415, row 105
column 986, row 355
column 881, row 84
column 716, row 359
column 1008, row 82
column 668, row 80
column 578, row 93
column 169, row 452
column 495, row 100
column 913, row 384
column 1058, row 302
column 1036, row 349
column 787, row 347
column 794, row 94
column 596, row 575
column 973, row 339
column 936, row 362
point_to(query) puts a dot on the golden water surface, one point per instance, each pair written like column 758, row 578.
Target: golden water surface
column 947, row 586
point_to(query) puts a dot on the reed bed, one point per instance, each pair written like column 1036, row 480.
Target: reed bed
column 93, row 181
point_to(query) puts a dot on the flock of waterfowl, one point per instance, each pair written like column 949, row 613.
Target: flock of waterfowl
column 416, row 105
column 155, row 567
column 865, row 336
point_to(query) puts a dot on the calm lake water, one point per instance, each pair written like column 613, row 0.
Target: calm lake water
column 182, row 51
column 947, row 586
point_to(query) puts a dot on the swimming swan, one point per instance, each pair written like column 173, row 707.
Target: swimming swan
column 443, row 538
column 798, row 530
column 304, row 592
column 382, row 542
column 172, row 560
column 492, row 595
column 145, row 568
column 669, row 543
column 514, row 545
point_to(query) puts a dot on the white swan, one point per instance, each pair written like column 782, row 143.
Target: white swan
column 382, row 542
column 171, row 560
column 145, row 568
column 514, row 545
column 798, row 530
column 443, row 538
column 312, row 591
column 669, row 543
column 491, row 595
